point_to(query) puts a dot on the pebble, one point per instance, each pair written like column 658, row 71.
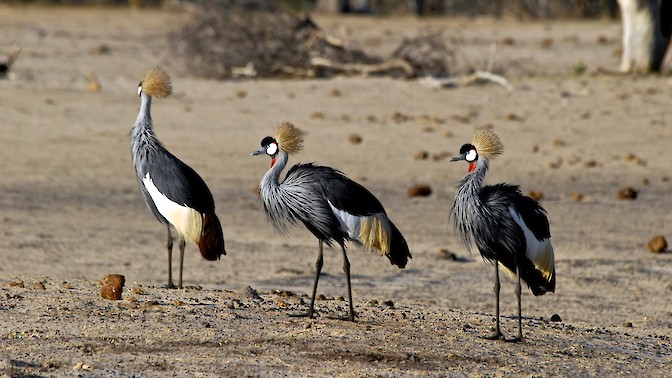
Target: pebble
column 536, row 195
column 421, row 155
column 113, row 285
column 419, row 191
column 658, row 244
column 248, row 293
column 627, row 194
column 355, row 139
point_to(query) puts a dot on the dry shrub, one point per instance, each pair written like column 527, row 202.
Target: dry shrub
column 262, row 39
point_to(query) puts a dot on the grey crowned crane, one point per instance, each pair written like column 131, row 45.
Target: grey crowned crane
column 330, row 205
column 173, row 192
column 509, row 229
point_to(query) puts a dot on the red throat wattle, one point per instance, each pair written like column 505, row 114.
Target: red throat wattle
column 273, row 161
column 472, row 166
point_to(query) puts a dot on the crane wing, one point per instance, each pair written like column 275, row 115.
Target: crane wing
column 178, row 182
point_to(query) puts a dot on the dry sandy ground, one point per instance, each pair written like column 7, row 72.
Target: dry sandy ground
column 71, row 211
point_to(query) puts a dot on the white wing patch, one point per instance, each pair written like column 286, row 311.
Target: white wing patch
column 372, row 231
column 540, row 252
column 187, row 221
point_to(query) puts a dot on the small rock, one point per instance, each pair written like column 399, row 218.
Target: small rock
column 38, row 286
column 113, row 284
column 657, row 245
column 81, row 366
column 419, row 191
column 241, row 94
column 578, row 197
column 373, row 302
column 93, row 85
column 389, row 304
column 248, row 293
column 317, row 115
column 336, row 93
column 355, row 139
column 536, row 195
column 559, row 142
column 627, row 324
column 421, row 155
column 17, row 284
column 508, row 41
column 627, row 194
column 447, row 255
column 555, row 318
column 591, row 164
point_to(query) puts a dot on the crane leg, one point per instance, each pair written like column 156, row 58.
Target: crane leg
column 346, row 269
column 318, row 270
column 182, row 245
column 169, row 245
column 520, row 320
column 498, row 333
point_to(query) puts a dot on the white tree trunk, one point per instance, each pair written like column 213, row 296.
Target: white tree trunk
column 644, row 43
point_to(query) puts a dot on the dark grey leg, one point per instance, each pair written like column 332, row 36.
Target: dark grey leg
column 182, row 245
column 346, row 269
column 498, row 333
column 520, row 318
column 169, row 245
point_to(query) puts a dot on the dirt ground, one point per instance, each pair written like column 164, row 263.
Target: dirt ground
column 71, row 211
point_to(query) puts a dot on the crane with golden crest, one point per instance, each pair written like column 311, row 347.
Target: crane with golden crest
column 173, row 191
column 330, row 205
column 510, row 230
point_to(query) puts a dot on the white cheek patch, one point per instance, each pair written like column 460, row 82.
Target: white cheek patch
column 272, row 149
column 139, row 90
column 471, row 155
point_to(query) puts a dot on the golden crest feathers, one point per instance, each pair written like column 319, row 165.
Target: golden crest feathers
column 289, row 138
column 487, row 143
column 156, row 83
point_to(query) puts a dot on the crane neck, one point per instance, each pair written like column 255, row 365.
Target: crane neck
column 473, row 181
column 144, row 120
column 143, row 139
column 272, row 177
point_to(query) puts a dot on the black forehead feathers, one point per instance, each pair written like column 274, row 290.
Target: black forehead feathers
column 466, row 148
column 268, row 140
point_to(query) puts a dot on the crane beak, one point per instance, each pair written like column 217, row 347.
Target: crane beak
column 260, row 151
column 459, row 157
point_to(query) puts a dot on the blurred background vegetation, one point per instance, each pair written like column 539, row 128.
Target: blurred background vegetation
column 525, row 9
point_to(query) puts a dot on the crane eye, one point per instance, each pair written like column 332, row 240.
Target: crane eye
column 471, row 156
column 272, row 149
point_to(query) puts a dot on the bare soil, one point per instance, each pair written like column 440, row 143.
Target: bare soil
column 71, row 211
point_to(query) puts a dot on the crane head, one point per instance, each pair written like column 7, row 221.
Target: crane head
column 288, row 139
column 269, row 146
column 156, row 83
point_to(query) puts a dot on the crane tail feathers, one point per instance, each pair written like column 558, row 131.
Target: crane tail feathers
column 211, row 243
column 540, row 282
column 398, row 253
column 378, row 233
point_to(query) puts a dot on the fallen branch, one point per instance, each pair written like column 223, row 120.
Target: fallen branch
column 480, row 76
column 363, row 69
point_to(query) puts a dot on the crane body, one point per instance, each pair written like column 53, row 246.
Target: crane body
column 173, row 191
column 334, row 208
